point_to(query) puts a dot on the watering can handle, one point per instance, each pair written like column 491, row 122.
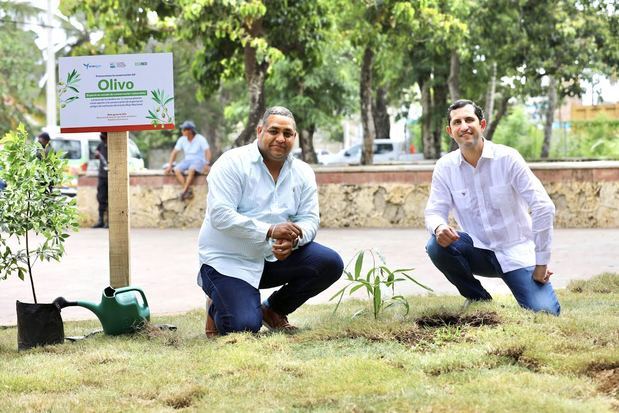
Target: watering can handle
column 127, row 289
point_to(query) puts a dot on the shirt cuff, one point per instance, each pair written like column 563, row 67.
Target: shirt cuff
column 542, row 257
column 263, row 229
column 432, row 223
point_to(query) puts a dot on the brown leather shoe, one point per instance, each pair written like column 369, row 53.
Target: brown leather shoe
column 210, row 329
column 275, row 321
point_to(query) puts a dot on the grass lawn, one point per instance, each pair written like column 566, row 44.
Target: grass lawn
column 489, row 357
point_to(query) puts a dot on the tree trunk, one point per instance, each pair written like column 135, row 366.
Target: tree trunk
column 439, row 107
column 490, row 95
column 255, row 75
column 426, row 121
column 367, row 120
column 453, row 81
column 550, row 116
column 214, row 141
column 306, row 141
column 381, row 117
column 503, row 105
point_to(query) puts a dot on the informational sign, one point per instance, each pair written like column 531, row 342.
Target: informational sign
column 116, row 93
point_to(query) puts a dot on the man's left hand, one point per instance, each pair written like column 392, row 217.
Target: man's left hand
column 542, row 274
column 282, row 248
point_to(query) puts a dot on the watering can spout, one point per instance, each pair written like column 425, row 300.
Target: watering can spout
column 61, row 303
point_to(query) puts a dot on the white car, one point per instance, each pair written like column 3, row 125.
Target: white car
column 385, row 151
column 321, row 154
column 79, row 150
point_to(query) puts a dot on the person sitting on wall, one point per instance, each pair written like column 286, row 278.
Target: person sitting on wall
column 491, row 190
column 261, row 219
column 197, row 157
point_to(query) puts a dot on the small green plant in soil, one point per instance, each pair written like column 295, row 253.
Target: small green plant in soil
column 379, row 282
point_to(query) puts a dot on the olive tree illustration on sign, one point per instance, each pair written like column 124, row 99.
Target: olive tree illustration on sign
column 67, row 88
column 161, row 115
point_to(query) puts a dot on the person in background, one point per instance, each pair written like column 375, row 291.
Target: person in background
column 505, row 214
column 197, row 157
column 46, row 146
column 102, row 195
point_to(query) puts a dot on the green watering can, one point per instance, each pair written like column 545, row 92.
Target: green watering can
column 119, row 310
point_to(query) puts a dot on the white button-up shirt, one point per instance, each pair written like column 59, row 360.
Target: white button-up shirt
column 492, row 202
column 243, row 202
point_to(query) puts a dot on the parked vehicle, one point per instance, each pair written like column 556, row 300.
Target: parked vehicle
column 79, row 150
column 385, row 151
column 320, row 154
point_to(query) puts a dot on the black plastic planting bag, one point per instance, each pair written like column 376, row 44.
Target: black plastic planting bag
column 38, row 325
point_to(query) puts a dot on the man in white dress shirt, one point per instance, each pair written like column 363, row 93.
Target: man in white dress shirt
column 491, row 190
column 258, row 232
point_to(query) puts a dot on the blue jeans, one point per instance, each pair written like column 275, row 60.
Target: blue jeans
column 305, row 273
column 460, row 260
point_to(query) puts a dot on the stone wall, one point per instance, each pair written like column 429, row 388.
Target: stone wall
column 586, row 195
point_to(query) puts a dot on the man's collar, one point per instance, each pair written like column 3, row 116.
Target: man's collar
column 486, row 152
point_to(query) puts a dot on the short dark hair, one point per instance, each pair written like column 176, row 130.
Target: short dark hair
column 44, row 136
column 103, row 135
column 278, row 110
column 460, row 103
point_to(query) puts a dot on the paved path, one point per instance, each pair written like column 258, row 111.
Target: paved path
column 164, row 263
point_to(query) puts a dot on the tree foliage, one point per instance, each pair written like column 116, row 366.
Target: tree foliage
column 20, row 67
column 30, row 206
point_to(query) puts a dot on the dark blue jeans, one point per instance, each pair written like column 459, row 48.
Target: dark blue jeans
column 460, row 260
column 305, row 273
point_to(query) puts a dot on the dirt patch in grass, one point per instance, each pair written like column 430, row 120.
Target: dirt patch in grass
column 478, row 319
column 607, row 376
column 409, row 335
column 154, row 332
column 435, row 329
column 184, row 398
column 516, row 355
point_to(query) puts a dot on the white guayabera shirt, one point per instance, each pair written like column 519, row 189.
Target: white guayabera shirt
column 492, row 202
column 243, row 202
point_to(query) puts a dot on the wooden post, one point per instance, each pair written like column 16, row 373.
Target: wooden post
column 118, row 209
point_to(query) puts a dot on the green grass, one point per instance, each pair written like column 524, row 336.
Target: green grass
column 490, row 357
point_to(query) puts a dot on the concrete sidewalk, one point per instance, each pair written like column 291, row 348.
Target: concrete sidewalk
column 164, row 263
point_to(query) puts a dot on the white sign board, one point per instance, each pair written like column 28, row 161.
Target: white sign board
column 116, row 93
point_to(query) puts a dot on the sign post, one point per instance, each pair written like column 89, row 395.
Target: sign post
column 117, row 94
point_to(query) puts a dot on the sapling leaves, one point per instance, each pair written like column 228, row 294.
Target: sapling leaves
column 379, row 282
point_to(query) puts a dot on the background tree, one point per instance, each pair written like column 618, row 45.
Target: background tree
column 319, row 96
column 21, row 67
column 232, row 39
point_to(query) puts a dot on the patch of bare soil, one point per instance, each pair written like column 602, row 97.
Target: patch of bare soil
column 454, row 319
column 184, row 398
column 405, row 336
column 516, row 355
column 607, row 376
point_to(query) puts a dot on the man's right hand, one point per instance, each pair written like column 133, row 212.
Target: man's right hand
column 167, row 170
column 445, row 235
column 286, row 230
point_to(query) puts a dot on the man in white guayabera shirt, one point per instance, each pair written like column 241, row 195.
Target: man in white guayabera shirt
column 258, row 232
column 491, row 190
